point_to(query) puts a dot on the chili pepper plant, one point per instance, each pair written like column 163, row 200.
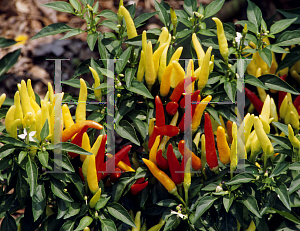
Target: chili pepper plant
column 188, row 159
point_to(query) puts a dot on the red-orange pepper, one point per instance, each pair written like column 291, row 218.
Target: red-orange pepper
column 161, row 161
column 101, row 153
column 71, row 131
column 257, row 103
column 194, row 97
column 211, row 155
column 166, row 130
column 115, row 175
column 78, row 140
column 152, row 139
column 174, row 166
column 196, row 161
column 179, row 89
column 171, row 108
column 136, row 188
column 160, row 114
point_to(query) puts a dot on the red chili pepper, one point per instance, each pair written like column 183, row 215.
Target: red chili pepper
column 161, row 161
column 171, row 108
column 126, row 160
column 101, row 153
column 160, row 114
column 116, row 175
column 179, row 89
column 152, row 139
column 166, row 130
column 196, row 161
column 81, row 174
column 298, row 110
column 140, row 180
column 257, row 103
column 111, row 163
column 211, row 155
column 195, row 101
column 136, row 188
column 174, row 166
column 78, row 140
column 281, row 94
column 194, row 97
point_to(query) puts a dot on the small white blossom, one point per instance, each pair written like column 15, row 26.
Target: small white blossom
column 31, row 134
column 219, row 189
column 238, row 39
column 182, row 216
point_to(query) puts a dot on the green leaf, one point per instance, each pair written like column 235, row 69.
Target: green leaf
column 204, row 204
column 43, row 157
column 291, row 13
column 52, row 29
column 295, row 185
column 230, row 88
column 126, row 130
column 76, row 180
column 76, row 82
column 5, row 150
column 276, row 49
column 60, row 6
column 76, row 5
column 73, row 210
column 73, row 32
column 250, row 26
column 69, row 147
column 187, row 5
column 274, row 82
column 252, row 80
column 288, row 38
column 142, row 18
column 171, row 221
column 283, row 195
column 290, row 59
column 295, row 166
column 84, row 222
column 6, row 42
column 290, row 216
column 32, row 174
column 280, row 168
column 266, row 56
column 64, row 162
column 38, row 201
column 126, row 106
column 282, row 141
column 167, row 203
column 8, row 61
column 162, row 13
column 91, row 40
column 241, row 178
column 102, row 51
column 227, row 201
column 120, row 213
column 140, row 127
column 251, row 204
column 139, row 88
column 21, row 156
column 8, row 223
column 282, row 127
column 109, row 14
column 121, row 63
column 118, row 189
column 184, row 33
column 213, row 8
column 101, row 203
column 107, row 225
column 129, row 75
column 67, row 226
column 281, row 25
column 6, row 202
column 254, row 14
column 60, row 193
column 109, row 24
column 45, row 130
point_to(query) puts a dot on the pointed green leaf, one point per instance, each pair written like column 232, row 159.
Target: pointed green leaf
column 32, row 174
column 251, row 204
column 281, row 25
column 283, row 195
column 52, row 29
column 213, row 8
column 266, row 56
column 8, row 61
column 120, row 213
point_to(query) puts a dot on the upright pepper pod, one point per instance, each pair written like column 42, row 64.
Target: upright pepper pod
column 25, row 100
column 293, row 139
column 166, row 80
column 85, row 144
column 196, row 161
column 13, row 131
column 152, row 154
column 223, row 45
column 2, row 99
column 196, row 120
column 18, row 111
column 203, row 151
column 204, row 72
column 163, row 37
column 78, row 140
column 67, row 117
column 151, row 126
column 163, row 60
column 141, row 68
column 187, row 179
column 120, row 14
column 98, row 94
column 30, row 90
column 173, row 20
column 211, row 155
column 174, row 166
column 156, row 56
column 223, row 148
column 81, row 107
column 177, row 75
column 265, row 114
column 160, row 113
column 137, row 221
column 198, row 48
column 150, row 75
column 161, row 161
column 92, row 174
column 257, row 103
column 95, row 198
column 233, row 150
column 131, row 30
column 179, row 89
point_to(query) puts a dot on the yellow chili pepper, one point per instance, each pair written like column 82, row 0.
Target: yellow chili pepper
column 177, row 74
column 265, row 114
column 151, row 126
column 163, row 37
column 30, row 89
column 252, row 226
column 144, row 41
column 137, row 221
column 255, row 147
column 223, row 148
column 261, row 92
column 163, row 61
column 141, row 68
column 144, row 227
column 211, row 64
column 273, row 112
column 95, row 198
column 156, row 56
column 152, row 154
column 121, row 165
column 203, row 152
column 38, row 126
column 131, row 30
column 198, row 48
column 248, row 125
column 85, row 145
column 294, row 120
column 96, row 145
column 27, row 120
column 25, row 100
column 283, row 107
column 161, row 176
column 197, row 139
column 196, row 120
column 45, row 114
column 13, row 132
column 51, row 94
column 187, row 179
column 34, row 105
column 263, row 138
column 68, row 121
column 166, row 81
column 249, row 141
column 150, row 75
column 261, row 64
column 158, row 226
column 81, row 107
column 223, row 45
column 120, row 14
column 2, row 99
column 204, row 72
column 98, row 94
column 92, row 174
column 173, row 19
column 18, row 111
column 176, row 54
column 233, row 157
column 293, row 139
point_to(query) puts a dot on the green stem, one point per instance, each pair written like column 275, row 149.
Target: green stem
column 186, row 195
column 179, row 198
column 180, row 189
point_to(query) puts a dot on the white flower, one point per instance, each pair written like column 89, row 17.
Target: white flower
column 219, row 189
column 31, row 134
column 182, row 216
column 238, row 39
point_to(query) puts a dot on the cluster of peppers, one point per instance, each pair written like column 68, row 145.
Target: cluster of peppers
column 138, row 223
